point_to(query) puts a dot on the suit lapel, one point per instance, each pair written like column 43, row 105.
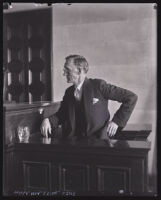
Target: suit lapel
column 72, row 110
column 88, row 94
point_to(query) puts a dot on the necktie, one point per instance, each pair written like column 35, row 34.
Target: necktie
column 77, row 94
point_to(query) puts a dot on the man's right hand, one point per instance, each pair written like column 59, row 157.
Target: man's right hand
column 45, row 127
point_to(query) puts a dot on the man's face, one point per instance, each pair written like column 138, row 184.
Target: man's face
column 71, row 72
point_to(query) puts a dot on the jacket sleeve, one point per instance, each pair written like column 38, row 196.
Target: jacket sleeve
column 59, row 117
column 127, row 99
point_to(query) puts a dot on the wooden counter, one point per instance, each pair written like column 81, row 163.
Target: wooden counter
column 82, row 167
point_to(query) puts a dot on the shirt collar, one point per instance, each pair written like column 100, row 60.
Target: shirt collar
column 80, row 85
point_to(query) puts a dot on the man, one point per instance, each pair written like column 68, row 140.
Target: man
column 84, row 109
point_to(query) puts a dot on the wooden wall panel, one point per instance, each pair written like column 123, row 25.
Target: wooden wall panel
column 27, row 57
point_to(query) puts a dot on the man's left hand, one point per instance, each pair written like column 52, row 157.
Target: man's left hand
column 112, row 128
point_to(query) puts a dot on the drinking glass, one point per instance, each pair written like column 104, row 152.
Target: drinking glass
column 23, row 133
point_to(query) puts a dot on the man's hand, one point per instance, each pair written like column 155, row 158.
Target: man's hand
column 112, row 128
column 45, row 127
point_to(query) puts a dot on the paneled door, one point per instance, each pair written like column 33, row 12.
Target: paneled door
column 27, row 55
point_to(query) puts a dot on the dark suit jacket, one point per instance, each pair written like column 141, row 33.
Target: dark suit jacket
column 96, row 114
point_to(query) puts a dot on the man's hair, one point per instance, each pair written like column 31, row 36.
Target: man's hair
column 79, row 61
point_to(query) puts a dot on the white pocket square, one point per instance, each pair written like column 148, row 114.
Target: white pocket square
column 95, row 100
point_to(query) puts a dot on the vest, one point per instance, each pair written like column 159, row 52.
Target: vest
column 80, row 121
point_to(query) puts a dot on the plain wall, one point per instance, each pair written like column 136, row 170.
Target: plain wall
column 119, row 42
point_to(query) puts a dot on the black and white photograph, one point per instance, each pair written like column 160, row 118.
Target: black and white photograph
column 79, row 99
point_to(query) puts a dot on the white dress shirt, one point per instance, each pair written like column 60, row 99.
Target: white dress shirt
column 78, row 91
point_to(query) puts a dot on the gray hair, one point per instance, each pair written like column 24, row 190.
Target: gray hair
column 79, row 61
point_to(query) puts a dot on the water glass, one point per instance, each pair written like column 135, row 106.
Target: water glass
column 23, row 133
